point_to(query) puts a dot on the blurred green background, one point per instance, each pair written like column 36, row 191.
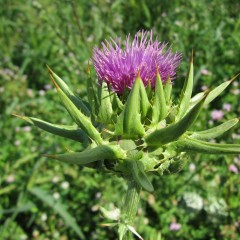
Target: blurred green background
column 42, row 199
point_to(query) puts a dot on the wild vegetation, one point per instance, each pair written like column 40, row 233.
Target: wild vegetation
column 42, row 199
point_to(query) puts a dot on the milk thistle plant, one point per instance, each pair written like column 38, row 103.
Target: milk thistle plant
column 132, row 126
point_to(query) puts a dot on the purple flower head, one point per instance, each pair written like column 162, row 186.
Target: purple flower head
column 217, row 115
column 175, row 226
column 233, row 168
column 118, row 66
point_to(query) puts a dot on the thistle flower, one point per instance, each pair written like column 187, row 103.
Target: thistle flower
column 144, row 132
column 119, row 66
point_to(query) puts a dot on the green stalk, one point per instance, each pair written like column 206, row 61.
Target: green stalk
column 129, row 210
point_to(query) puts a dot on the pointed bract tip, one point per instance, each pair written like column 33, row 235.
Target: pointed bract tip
column 231, row 80
column 49, row 156
column 54, row 82
column 49, row 69
column 157, row 72
column 138, row 73
column 192, row 57
column 23, row 118
column 206, row 93
column 17, row 115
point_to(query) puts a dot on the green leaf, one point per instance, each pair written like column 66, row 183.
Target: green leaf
column 212, row 94
column 168, row 90
column 194, row 100
column 105, row 109
column 71, row 132
column 216, row 131
column 140, row 176
column 174, row 131
column 197, row 146
column 117, row 104
column 159, row 108
column 186, row 92
column 129, row 122
column 82, row 121
column 76, row 100
column 134, row 232
column 149, row 90
column 144, row 102
column 91, row 155
column 58, row 207
column 218, row 90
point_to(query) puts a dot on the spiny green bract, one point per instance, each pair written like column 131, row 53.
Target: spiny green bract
column 136, row 133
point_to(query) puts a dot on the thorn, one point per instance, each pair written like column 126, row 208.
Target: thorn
column 206, row 93
column 231, row 80
column 19, row 116
column 23, row 118
column 157, row 72
column 49, row 69
column 54, row 82
column 191, row 61
column 49, row 156
column 138, row 73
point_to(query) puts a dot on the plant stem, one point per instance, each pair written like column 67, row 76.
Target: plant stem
column 129, row 209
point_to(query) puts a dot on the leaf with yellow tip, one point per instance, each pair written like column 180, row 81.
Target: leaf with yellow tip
column 216, row 131
column 71, row 132
column 174, row 131
column 213, row 93
column 159, row 108
column 105, row 113
column 79, row 118
column 168, row 90
column 63, row 86
column 186, row 92
column 87, row 156
column 129, row 121
column 197, row 146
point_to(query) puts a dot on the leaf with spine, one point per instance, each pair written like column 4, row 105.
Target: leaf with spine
column 186, row 92
column 168, row 90
column 216, row 131
column 76, row 100
column 174, row 131
column 149, row 90
column 122, row 230
column 117, row 104
column 71, row 132
column 132, row 229
column 140, row 176
column 105, row 109
column 129, row 121
column 212, row 94
column 218, row 90
column 82, row 121
column 91, row 155
column 159, row 109
column 58, row 207
column 92, row 94
column 198, row 146
column 144, row 102
column 195, row 99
